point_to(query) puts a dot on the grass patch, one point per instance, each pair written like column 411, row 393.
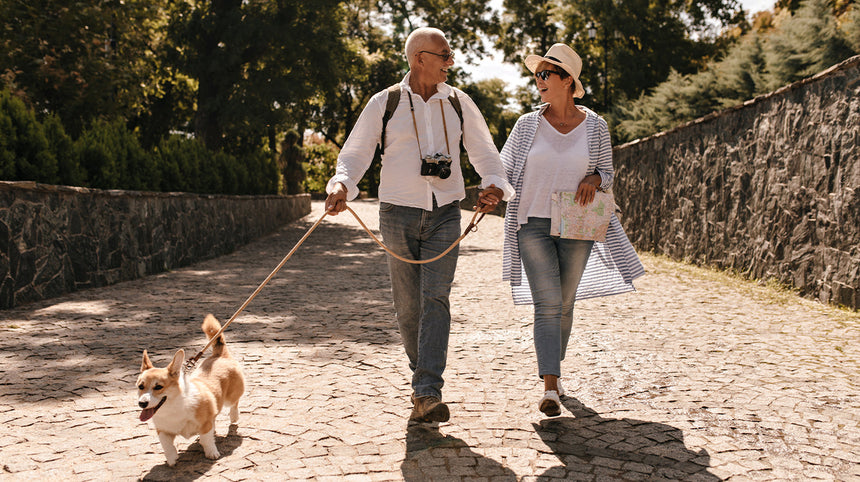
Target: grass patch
column 769, row 291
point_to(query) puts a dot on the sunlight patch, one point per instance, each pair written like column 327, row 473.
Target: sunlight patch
column 99, row 307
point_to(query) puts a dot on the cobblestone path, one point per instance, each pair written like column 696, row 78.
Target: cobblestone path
column 693, row 377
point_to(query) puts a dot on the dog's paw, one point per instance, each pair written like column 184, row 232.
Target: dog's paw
column 211, row 454
column 171, row 460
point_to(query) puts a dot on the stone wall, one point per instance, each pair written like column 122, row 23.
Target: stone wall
column 770, row 188
column 56, row 239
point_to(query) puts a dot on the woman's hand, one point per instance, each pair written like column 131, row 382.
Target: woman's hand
column 587, row 188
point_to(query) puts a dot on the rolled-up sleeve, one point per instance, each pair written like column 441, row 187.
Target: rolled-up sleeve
column 357, row 153
column 483, row 154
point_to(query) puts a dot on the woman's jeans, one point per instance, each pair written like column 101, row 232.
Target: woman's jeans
column 421, row 291
column 554, row 268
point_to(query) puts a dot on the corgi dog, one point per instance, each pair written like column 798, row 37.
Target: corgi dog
column 187, row 405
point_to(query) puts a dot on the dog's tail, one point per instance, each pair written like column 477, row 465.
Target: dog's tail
column 211, row 327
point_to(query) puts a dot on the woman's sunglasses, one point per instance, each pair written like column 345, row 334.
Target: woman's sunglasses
column 544, row 74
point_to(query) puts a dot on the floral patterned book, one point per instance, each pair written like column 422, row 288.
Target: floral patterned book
column 573, row 221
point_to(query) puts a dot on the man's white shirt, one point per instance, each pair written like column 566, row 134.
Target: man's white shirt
column 401, row 182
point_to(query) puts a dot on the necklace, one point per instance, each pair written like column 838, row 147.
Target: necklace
column 560, row 119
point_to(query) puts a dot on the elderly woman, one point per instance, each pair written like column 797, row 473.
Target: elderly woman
column 560, row 147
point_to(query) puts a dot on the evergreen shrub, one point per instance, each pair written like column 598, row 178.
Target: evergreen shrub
column 25, row 153
column 113, row 158
column 108, row 155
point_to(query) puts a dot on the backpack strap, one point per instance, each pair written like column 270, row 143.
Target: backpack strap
column 390, row 107
column 455, row 103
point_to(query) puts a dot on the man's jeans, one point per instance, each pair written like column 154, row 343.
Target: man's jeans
column 421, row 291
column 554, row 267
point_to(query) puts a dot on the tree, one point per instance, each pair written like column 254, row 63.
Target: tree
column 83, row 61
column 635, row 46
column 491, row 98
column 798, row 46
column 25, row 152
column 851, row 27
column 255, row 62
column 290, row 162
column 374, row 57
column 805, row 44
column 465, row 22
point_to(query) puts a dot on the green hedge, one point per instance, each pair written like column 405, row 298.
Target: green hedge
column 25, row 153
column 108, row 155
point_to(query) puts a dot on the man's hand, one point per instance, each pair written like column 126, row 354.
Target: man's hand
column 336, row 201
column 489, row 198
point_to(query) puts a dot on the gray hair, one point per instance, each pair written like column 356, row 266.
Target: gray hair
column 418, row 39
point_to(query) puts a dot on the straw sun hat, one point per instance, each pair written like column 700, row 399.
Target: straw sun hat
column 562, row 56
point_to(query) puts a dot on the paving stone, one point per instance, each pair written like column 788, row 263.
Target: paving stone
column 692, row 377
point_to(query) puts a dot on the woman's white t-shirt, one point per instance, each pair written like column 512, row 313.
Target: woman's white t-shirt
column 556, row 162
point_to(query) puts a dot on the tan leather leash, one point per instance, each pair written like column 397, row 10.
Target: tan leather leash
column 473, row 226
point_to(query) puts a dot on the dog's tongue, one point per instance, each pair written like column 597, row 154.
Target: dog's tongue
column 146, row 414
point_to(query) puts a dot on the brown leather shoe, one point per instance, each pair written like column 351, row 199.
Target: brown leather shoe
column 429, row 409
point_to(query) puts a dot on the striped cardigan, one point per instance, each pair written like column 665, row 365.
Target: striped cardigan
column 612, row 265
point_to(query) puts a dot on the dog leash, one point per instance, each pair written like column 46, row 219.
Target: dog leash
column 473, row 226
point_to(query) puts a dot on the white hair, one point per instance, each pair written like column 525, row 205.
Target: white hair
column 417, row 39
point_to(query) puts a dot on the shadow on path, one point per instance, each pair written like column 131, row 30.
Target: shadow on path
column 590, row 444
column 192, row 463
column 334, row 289
column 430, row 455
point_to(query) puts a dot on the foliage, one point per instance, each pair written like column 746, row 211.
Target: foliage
column 491, row 98
column 81, row 61
column 851, row 28
column 108, row 155
column 636, row 45
column 291, row 163
column 463, row 21
column 805, row 44
column 187, row 165
column 799, row 46
column 69, row 170
column 114, row 159
column 25, row 152
column 373, row 57
column 171, row 94
column 256, row 63
column 320, row 161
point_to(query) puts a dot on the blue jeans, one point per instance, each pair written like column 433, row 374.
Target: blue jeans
column 554, row 267
column 421, row 291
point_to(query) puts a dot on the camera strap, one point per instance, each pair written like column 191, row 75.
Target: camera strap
column 415, row 125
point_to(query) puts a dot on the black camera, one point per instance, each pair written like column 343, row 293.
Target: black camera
column 436, row 165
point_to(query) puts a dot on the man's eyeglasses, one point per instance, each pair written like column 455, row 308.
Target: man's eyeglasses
column 444, row 57
column 544, row 74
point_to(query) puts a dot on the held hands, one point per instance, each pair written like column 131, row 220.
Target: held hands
column 336, row 201
column 489, row 198
column 587, row 188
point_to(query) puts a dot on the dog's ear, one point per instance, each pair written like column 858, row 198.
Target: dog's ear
column 176, row 365
column 147, row 364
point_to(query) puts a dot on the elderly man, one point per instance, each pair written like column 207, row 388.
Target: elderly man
column 420, row 189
